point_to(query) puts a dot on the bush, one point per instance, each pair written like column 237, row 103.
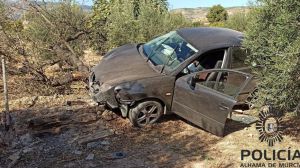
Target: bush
column 217, row 13
column 273, row 38
column 238, row 21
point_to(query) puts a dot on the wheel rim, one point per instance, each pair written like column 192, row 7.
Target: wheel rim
column 148, row 115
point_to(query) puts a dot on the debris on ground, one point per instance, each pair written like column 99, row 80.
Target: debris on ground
column 90, row 157
column 74, row 132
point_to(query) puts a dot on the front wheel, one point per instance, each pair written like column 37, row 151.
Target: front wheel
column 145, row 113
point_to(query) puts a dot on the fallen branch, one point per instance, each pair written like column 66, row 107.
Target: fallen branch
column 6, row 117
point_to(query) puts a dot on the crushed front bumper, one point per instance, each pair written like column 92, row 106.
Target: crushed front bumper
column 102, row 93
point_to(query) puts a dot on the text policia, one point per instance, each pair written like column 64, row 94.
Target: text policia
column 260, row 155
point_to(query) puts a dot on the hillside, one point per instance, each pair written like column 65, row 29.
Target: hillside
column 199, row 14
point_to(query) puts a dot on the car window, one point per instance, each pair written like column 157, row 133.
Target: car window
column 228, row 83
column 238, row 58
column 169, row 50
column 210, row 60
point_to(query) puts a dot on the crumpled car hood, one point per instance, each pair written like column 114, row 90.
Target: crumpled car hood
column 123, row 64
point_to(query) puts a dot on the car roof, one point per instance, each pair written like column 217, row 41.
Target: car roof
column 208, row 38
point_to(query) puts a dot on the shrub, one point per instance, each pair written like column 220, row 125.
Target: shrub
column 273, row 38
column 238, row 21
column 217, row 13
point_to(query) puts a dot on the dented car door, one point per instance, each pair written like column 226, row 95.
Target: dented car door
column 206, row 98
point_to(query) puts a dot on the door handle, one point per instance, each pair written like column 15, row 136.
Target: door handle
column 223, row 106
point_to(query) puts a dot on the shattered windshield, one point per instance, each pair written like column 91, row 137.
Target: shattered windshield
column 169, row 50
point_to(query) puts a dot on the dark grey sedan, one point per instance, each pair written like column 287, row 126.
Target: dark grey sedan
column 197, row 73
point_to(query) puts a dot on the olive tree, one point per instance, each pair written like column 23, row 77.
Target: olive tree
column 54, row 33
column 130, row 21
column 217, row 13
column 273, row 38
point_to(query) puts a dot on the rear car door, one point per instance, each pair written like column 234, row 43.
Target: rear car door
column 206, row 98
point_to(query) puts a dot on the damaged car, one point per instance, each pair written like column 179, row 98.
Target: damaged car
column 196, row 73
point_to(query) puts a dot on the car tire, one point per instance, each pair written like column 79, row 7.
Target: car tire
column 145, row 113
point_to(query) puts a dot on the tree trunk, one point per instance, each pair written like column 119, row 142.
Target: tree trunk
column 6, row 116
column 298, row 110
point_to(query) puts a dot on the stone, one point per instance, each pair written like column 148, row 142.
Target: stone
column 53, row 68
column 26, row 139
column 90, row 157
column 108, row 115
column 104, row 143
column 15, row 156
column 27, row 150
column 24, row 102
column 86, row 118
column 118, row 155
column 94, row 137
column 92, row 145
column 77, row 152
column 14, row 159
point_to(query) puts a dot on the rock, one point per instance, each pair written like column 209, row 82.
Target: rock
column 14, row 159
column 25, row 102
column 92, row 145
column 86, row 118
column 94, row 137
column 90, row 157
column 156, row 139
column 77, row 152
column 15, row 156
column 99, row 113
column 104, row 143
column 26, row 139
column 101, row 108
column 27, row 150
column 118, row 155
column 62, row 79
column 15, row 144
column 54, row 68
column 41, row 148
column 78, row 75
column 105, row 148
column 108, row 115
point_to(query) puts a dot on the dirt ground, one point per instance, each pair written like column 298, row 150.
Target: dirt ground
column 68, row 130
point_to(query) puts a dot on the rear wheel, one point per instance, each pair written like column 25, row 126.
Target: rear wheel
column 145, row 113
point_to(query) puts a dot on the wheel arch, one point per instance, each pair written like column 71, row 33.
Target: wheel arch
column 150, row 99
